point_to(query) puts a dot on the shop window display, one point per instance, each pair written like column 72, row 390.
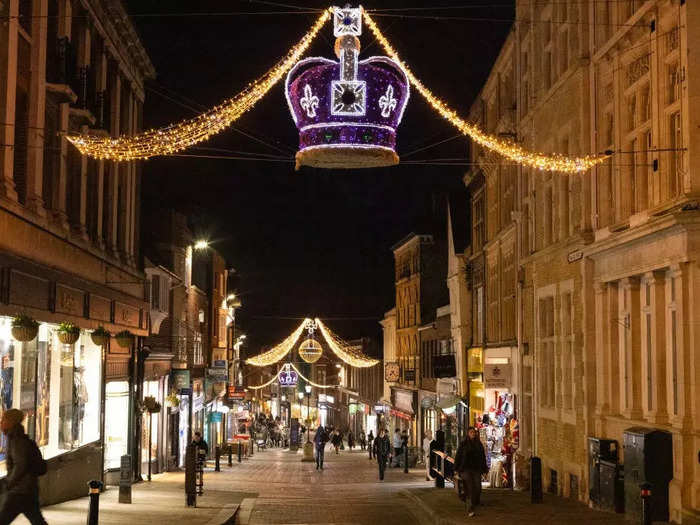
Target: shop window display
column 57, row 386
column 116, row 422
column 498, row 430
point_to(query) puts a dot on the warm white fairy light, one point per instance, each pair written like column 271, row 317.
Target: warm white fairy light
column 501, row 146
column 347, row 353
column 174, row 138
column 278, row 352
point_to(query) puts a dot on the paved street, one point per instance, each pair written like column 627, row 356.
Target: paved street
column 275, row 487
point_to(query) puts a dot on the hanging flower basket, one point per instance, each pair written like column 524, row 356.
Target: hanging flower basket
column 68, row 333
column 124, row 339
column 172, row 400
column 100, row 336
column 151, row 405
column 24, row 328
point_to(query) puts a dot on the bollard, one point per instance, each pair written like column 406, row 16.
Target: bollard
column 405, row 459
column 240, row 451
column 645, row 489
column 217, row 459
column 94, row 488
column 535, row 480
column 230, row 455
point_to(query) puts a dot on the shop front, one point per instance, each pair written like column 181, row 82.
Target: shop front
column 497, row 421
column 429, row 419
column 59, row 388
column 403, row 413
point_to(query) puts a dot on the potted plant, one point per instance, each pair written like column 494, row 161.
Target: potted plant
column 68, row 333
column 172, row 400
column 151, row 405
column 100, row 336
column 24, row 328
column 124, row 338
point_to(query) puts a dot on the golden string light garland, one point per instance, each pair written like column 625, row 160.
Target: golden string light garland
column 503, row 147
column 348, row 353
column 278, row 352
column 165, row 141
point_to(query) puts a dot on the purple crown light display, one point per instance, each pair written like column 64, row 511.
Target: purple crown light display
column 347, row 111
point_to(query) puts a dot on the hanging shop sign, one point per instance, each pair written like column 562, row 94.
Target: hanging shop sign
column 497, row 375
column 444, row 366
column 288, row 378
column 378, row 409
column 403, row 400
column 215, row 417
column 330, row 399
column 217, row 374
column 427, row 402
column 220, row 363
column 391, row 372
column 181, row 379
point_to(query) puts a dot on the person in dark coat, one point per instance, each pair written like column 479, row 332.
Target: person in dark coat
column 470, row 463
column 362, row 439
column 351, row 440
column 437, row 444
column 24, row 466
column 320, row 440
column 370, row 440
column 337, row 440
column 382, row 451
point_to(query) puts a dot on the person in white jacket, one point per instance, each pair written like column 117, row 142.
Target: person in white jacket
column 426, row 454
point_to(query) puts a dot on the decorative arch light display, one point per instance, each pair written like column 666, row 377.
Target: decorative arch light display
column 347, row 112
column 351, row 355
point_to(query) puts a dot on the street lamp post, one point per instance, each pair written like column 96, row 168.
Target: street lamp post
column 308, row 412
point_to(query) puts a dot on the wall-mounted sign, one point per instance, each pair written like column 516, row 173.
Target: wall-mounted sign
column 288, row 378
column 217, row 374
column 330, row 399
column 220, row 363
column 574, row 256
column 379, row 409
column 497, row 375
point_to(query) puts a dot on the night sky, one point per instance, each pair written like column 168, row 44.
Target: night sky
column 314, row 242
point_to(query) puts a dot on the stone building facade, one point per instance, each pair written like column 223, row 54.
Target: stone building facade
column 605, row 262
column 69, row 231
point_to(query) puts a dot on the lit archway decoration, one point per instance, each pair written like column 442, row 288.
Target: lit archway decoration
column 352, row 115
column 350, row 354
column 278, row 352
column 286, row 367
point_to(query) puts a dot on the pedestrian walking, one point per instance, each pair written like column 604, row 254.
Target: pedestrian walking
column 202, row 446
column 363, row 439
column 370, row 442
column 351, row 440
column 470, row 463
column 397, row 447
column 336, row 440
column 426, row 454
column 20, row 489
column 320, row 440
column 382, row 451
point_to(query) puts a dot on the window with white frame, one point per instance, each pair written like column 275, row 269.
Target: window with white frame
column 568, row 363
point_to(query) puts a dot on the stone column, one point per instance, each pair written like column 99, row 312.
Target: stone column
column 8, row 87
column 654, row 347
column 37, row 109
column 613, row 377
column 65, row 14
column 115, row 167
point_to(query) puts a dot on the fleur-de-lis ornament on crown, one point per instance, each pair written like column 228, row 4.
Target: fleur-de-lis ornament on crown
column 309, row 102
column 387, row 102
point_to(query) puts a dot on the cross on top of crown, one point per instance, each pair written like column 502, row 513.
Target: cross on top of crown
column 347, row 21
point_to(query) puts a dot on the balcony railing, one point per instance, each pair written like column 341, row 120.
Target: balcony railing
column 184, row 350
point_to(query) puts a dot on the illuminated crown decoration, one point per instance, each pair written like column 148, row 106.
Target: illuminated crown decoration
column 347, row 111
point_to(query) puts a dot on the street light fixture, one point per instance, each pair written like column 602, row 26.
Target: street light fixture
column 308, row 412
column 201, row 244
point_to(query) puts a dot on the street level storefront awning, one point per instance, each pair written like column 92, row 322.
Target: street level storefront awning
column 448, row 402
column 401, row 414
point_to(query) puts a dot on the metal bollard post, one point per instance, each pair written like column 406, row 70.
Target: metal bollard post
column 94, row 488
column 217, row 459
column 405, row 459
column 240, row 450
column 230, row 455
column 535, row 480
column 645, row 489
